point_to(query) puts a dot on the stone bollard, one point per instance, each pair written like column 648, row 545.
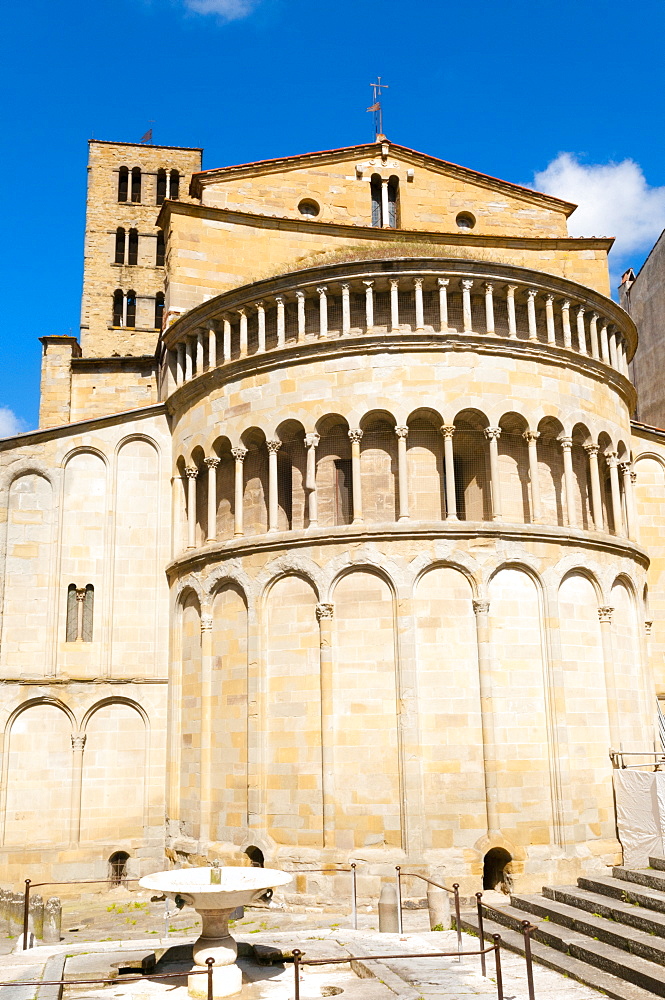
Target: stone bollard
column 16, row 914
column 438, row 902
column 36, row 916
column 4, row 911
column 388, row 923
column 52, row 920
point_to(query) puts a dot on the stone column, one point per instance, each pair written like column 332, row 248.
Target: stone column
column 402, row 474
column 261, row 326
column 324, row 615
column 181, row 365
column 239, row 454
column 80, row 601
column 226, row 341
column 199, row 351
column 493, row 434
column 510, row 303
column 449, row 471
column 565, row 319
column 273, row 495
column 191, row 473
column 212, row 347
column 355, row 437
column 481, row 609
column 531, row 438
column 369, row 305
column 418, row 295
column 78, row 745
column 385, row 210
column 626, row 474
column 581, row 332
column 467, row 285
column 569, row 480
column 605, row 618
column 614, row 360
column 623, row 358
column 594, row 476
column 394, row 304
column 189, row 359
column 443, row 303
column 604, row 344
column 205, row 805
column 346, row 310
column 531, row 313
column 549, row 319
column 489, row 306
column 281, row 327
column 212, row 464
column 300, row 296
column 242, row 313
column 311, row 443
column 613, row 465
column 323, row 310
column 593, row 335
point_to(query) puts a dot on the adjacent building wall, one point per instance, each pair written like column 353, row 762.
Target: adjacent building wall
column 644, row 298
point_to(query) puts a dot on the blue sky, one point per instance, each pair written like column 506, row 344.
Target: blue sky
column 505, row 87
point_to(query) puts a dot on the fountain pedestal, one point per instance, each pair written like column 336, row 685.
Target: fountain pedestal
column 215, row 902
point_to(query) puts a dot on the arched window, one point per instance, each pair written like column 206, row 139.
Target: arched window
column 72, row 627
column 159, row 258
column 118, row 301
column 136, row 184
column 375, row 187
column 393, row 202
column 123, row 183
column 175, row 185
column 80, row 607
column 131, row 309
column 86, row 618
column 159, row 310
column 120, row 245
column 118, row 867
column 161, row 186
column 133, row 247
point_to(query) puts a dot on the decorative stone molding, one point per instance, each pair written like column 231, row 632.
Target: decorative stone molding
column 78, row 742
column 481, row 607
column 402, row 432
column 566, row 443
column 447, row 430
column 324, row 611
column 273, row 446
column 612, row 459
column 605, row 615
column 492, row 433
column 591, row 449
column 239, row 453
column 648, row 625
column 191, row 472
column 312, row 440
column 530, row 435
column 212, row 463
column 355, row 435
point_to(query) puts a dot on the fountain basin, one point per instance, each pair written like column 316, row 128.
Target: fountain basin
column 214, row 902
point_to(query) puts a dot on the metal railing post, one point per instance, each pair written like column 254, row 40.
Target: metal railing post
column 399, row 899
column 458, row 920
column 210, row 963
column 354, row 898
column 497, row 958
column 527, row 928
column 481, row 932
column 296, row 972
column 26, row 913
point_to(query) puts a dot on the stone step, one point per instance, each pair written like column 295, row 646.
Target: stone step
column 652, row 899
column 637, row 942
column 604, row 906
column 641, row 876
column 568, row 965
column 658, row 863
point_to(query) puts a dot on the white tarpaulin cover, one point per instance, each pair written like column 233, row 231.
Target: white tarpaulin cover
column 640, row 804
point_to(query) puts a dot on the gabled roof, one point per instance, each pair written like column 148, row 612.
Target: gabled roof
column 374, row 149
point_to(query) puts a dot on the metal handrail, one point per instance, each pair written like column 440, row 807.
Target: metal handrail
column 334, row 871
column 454, row 891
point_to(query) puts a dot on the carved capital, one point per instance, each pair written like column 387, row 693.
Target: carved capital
column 355, row 435
column 312, row 440
column 648, row 625
column 443, row 282
column 368, row 284
column 206, row 623
column 324, row 611
column 273, row 446
column 239, row 453
column 530, row 435
column 80, row 594
column 402, row 432
column 565, row 305
column 566, row 443
column 492, row 433
column 279, row 299
column 447, row 430
column 345, row 287
column 212, row 463
column 531, row 293
column 591, row 449
column 78, row 742
column 467, row 284
column 605, row 615
column 418, row 282
column 511, row 289
column 612, row 459
column 259, row 305
column 633, row 476
column 481, row 607
column 489, row 287
column 581, row 310
column 191, row 472
column 594, row 317
column 322, row 289
column 549, row 299
column 625, row 468
column 394, row 283
column 242, row 312
column 300, row 294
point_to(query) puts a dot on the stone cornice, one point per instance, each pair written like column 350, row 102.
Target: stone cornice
column 64, row 680
column 381, row 235
column 373, row 151
column 192, row 562
column 136, row 362
column 80, row 426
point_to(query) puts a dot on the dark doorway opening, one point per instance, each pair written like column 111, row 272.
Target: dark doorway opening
column 494, row 869
column 118, row 867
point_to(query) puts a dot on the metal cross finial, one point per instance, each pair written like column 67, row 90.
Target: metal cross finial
column 376, row 107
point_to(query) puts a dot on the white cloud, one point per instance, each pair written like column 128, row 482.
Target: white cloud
column 228, row 10
column 613, row 199
column 10, row 424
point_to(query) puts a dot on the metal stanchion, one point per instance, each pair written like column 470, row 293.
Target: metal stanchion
column 354, row 898
column 210, row 962
column 527, row 928
column 497, row 958
column 458, row 920
column 26, row 913
column 296, row 972
column 481, row 932
column 399, row 899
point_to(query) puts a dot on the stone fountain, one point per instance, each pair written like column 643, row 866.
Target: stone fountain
column 215, row 893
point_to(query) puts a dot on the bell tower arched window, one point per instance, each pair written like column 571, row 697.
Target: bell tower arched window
column 159, row 256
column 118, row 307
column 136, row 184
column 175, row 185
column 123, row 183
column 131, row 309
column 133, row 247
column 159, row 310
column 120, row 245
column 375, row 188
column 393, row 202
column 161, row 186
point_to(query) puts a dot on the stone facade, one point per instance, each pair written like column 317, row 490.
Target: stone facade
column 363, row 570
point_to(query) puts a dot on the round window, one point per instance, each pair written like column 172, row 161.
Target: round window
column 465, row 220
column 309, row 208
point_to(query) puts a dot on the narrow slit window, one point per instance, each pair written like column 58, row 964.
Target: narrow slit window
column 375, row 188
column 133, row 247
column 136, row 184
column 80, row 607
column 174, row 193
column 120, row 245
column 123, row 183
column 87, row 615
column 161, row 249
column 393, row 202
column 118, row 299
column 343, row 491
column 131, row 309
column 159, row 310
column 161, row 186
column 72, row 630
